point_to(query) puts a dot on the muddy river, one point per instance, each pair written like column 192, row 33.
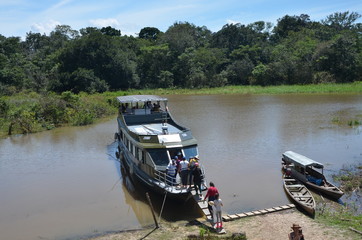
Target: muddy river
column 66, row 183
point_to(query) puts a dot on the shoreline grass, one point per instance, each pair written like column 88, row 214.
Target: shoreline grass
column 350, row 88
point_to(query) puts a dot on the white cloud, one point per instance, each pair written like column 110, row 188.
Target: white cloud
column 59, row 5
column 229, row 21
column 105, row 22
column 46, row 27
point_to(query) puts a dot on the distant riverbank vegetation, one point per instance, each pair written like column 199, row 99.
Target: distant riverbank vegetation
column 31, row 112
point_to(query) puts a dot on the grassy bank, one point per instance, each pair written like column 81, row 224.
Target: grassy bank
column 346, row 216
column 30, row 112
column 355, row 87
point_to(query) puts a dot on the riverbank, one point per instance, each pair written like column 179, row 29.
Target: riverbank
column 30, row 112
column 333, row 221
column 355, row 87
column 273, row 226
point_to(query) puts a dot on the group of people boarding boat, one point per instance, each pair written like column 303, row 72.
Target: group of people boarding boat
column 189, row 173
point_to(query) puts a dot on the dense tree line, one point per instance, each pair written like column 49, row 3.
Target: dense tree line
column 295, row 51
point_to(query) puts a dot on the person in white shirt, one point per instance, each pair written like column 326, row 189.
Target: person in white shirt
column 184, row 172
column 217, row 205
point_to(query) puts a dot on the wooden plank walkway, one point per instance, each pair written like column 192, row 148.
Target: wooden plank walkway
column 232, row 217
column 203, row 206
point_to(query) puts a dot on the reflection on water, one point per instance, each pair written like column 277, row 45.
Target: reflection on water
column 66, row 182
column 135, row 195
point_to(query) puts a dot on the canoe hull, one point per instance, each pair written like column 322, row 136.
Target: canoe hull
column 300, row 195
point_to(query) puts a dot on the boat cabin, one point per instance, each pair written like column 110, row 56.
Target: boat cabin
column 302, row 166
column 149, row 132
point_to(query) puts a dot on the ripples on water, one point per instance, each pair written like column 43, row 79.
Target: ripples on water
column 66, row 182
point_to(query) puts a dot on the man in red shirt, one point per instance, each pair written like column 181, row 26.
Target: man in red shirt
column 211, row 193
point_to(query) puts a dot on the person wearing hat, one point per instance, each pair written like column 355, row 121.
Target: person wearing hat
column 297, row 233
column 192, row 162
column 210, row 194
column 217, row 208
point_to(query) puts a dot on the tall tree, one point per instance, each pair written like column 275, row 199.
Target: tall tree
column 183, row 35
column 288, row 24
column 100, row 58
column 232, row 36
column 342, row 21
column 151, row 62
column 149, row 33
column 109, row 31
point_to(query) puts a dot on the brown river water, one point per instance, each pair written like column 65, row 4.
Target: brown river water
column 67, row 184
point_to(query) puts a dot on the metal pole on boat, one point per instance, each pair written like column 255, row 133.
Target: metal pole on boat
column 153, row 212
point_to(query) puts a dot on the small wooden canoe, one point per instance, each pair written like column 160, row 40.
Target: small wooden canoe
column 300, row 195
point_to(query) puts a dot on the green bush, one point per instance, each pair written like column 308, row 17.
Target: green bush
column 33, row 112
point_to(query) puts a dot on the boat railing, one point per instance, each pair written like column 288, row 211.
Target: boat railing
column 163, row 178
column 171, row 181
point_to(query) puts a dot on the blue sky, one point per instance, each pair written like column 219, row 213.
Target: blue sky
column 17, row 17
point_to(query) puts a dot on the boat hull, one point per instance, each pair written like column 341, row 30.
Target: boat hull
column 331, row 192
column 137, row 175
column 300, row 195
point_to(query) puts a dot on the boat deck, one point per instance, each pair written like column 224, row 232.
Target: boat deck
column 153, row 129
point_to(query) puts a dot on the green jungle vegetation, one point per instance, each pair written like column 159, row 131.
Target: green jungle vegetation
column 294, row 51
column 71, row 77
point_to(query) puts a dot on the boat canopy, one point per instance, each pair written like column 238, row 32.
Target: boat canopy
column 301, row 160
column 141, row 98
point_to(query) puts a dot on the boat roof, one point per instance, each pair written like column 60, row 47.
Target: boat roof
column 301, row 160
column 140, row 98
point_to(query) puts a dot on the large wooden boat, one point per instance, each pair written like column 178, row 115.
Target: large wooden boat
column 305, row 170
column 300, row 195
column 148, row 139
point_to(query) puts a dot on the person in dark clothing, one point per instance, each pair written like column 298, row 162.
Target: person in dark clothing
column 197, row 173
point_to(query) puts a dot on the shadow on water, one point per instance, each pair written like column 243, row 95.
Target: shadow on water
column 170, row 210
column 135, row 192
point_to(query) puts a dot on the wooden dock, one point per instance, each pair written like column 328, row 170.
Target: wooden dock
column 203, row 206
column 258, row 212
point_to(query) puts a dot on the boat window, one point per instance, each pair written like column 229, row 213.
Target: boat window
column 174, row 152
column 139, row 155
column 190, row 152
column 134, row 151
column 159, row 156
